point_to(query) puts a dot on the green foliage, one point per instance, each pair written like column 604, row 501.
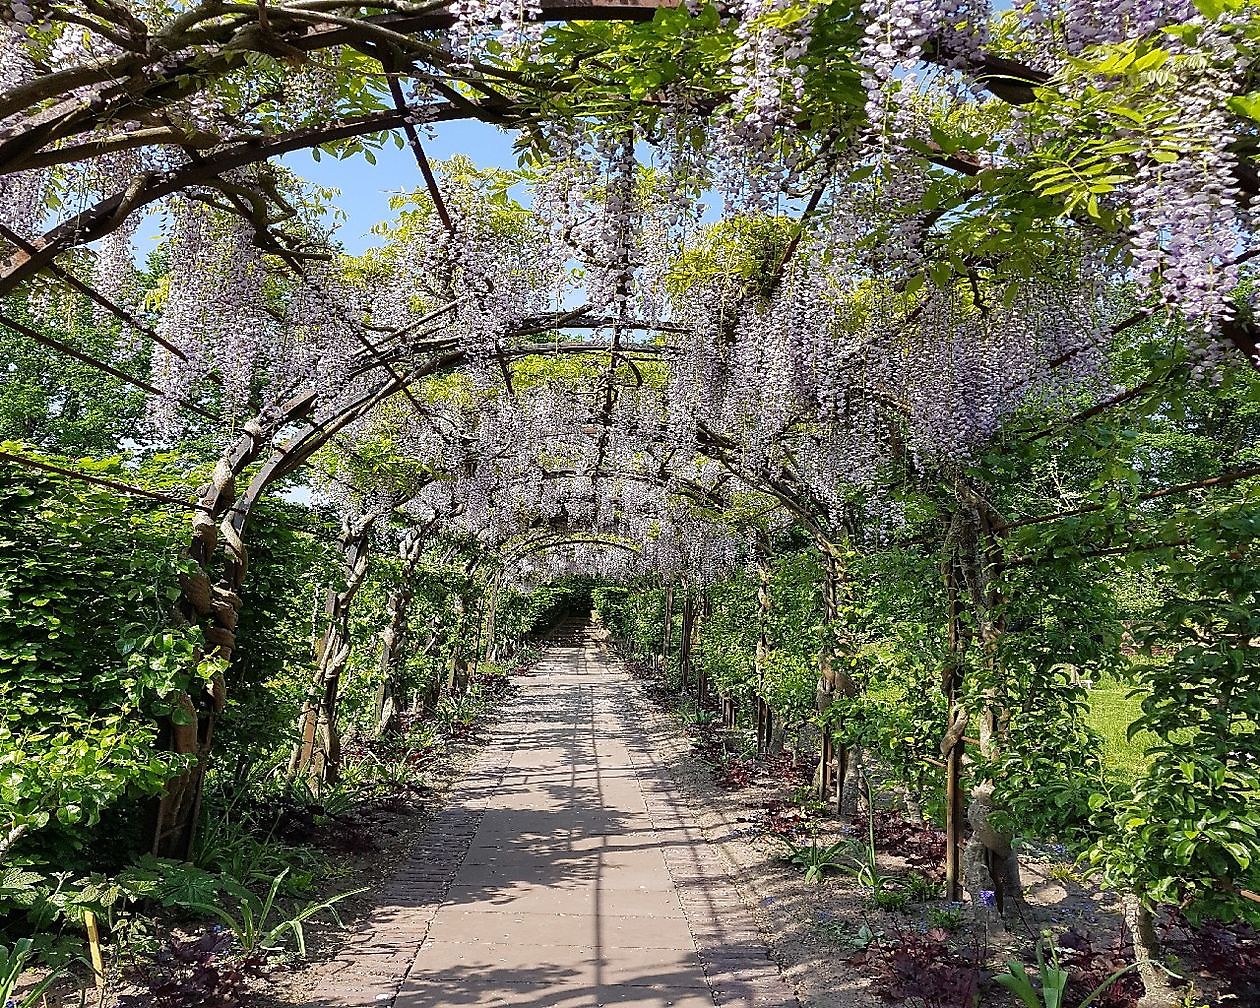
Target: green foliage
column 1187, row 834
column 13, row 962
column 818, row 860
column 607, row 72
column 919, row 888
column 89, row 659
column 256, row 929
column 292, row 563
column 890, row 900
column 1113, row 708
column 949, row 918
column 63, row 404
column 1049, row 767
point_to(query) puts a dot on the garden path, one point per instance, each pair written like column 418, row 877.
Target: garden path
column 563, row 873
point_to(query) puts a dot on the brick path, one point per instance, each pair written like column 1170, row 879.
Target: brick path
column 562, row 873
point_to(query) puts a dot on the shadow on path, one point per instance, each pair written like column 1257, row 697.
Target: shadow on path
column 562, row 874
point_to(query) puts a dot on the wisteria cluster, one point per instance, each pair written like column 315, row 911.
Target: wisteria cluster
column 493, row 264
column 510, row 23
column 1087, row 22
column 1187, row 214
column 768, row 67
column 812, row 356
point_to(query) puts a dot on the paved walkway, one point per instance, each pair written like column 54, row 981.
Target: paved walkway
column 561, row 874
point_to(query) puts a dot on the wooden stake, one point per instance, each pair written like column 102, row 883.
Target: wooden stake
column 94, row 950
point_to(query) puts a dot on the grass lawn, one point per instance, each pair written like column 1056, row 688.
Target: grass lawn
column 1111, row 711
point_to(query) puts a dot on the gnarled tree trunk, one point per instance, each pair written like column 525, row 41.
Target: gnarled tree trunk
column 667, row 628
column 212, row 603
column 684, row 647
column 1147, row 953
column 953, row 743
column 394, row 633
column 317, row 754
column 761, row 655
column 491, row 646
column 989, row 852
column 833, row 683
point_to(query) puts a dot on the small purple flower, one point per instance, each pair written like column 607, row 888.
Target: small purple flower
column 988, row 898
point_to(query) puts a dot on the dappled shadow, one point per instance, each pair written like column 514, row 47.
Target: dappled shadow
column 560, row 877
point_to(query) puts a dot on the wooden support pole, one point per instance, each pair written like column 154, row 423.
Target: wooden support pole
column 94, row 952
column 684, row 650
column 667, row 629
column 954, row 744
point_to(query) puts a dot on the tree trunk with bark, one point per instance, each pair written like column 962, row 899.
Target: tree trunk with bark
column 684, row 646
column 762, row 653
column 833, row 683
column 953, row 744
column 455, row 659
column 667, row 628
column 210, row 598
column 214, row 603
column 1148, row 953
column 317, row 754
column 989, row 851
column 389, row 701
column 491, row 648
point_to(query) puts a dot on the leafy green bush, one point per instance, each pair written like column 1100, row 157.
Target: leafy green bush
column 89, row 661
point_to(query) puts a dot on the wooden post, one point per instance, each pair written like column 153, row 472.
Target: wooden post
column 763, row 643
column 667, row 630
column 94, row 951
column 684, row 648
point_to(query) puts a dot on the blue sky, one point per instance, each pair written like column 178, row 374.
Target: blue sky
column 366, row 189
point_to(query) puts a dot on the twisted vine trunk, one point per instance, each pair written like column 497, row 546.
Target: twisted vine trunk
column 704, row 686
column 684, row 647
column 426, row 699
column 394, row 633
column 487, row 626
column 317, row 754
column 212, row 603
column 834, row 763
column 989, row 861
column 953, row 743
column 1147, row 953
column 492, row 618
column 454, row 671
column 765, row 717
column 667, row 629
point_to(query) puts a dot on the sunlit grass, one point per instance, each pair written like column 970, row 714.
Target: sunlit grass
column 1111, row 711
